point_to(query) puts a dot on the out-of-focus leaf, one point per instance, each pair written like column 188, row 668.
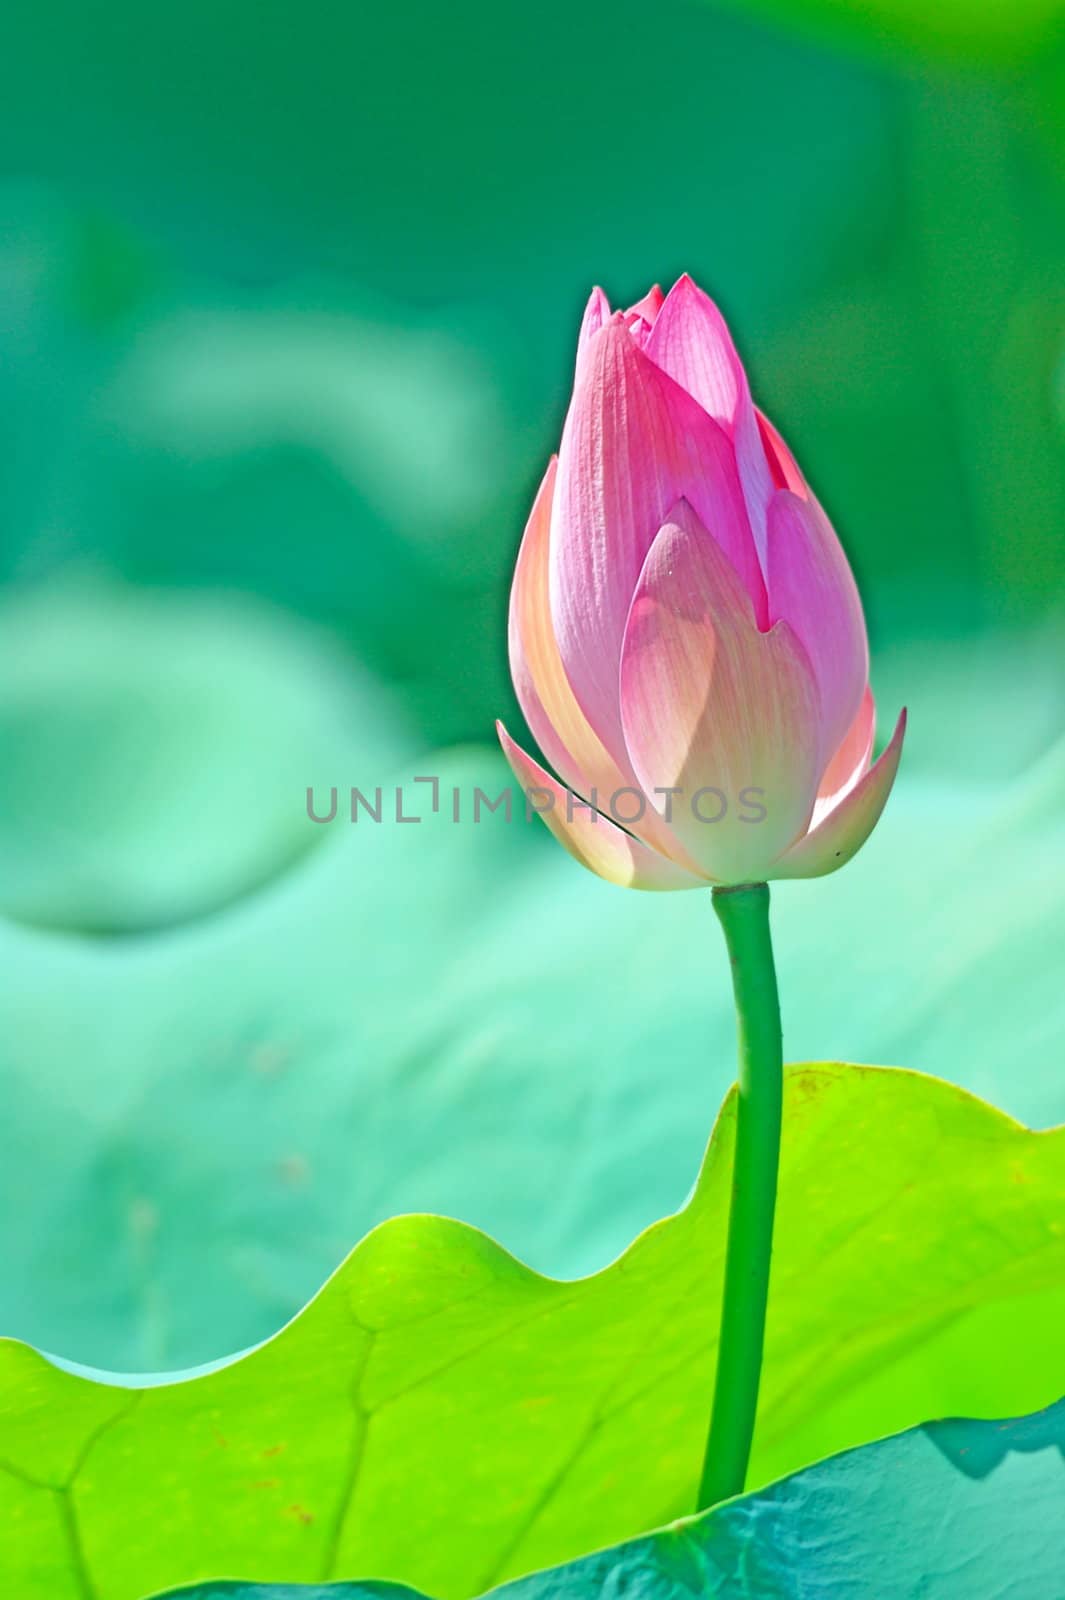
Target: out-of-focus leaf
column 922, row 1516
column 455, row 1018
column 442, row 1416
column 351, row 462
column 404, row 411
column 996, row 33
column 984, row 709
column 331, row 451
column 155, row 751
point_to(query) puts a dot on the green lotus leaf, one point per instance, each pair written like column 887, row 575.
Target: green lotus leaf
column 931, row 1508
column 442, row 1416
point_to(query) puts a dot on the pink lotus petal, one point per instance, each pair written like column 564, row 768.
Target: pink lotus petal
column 649, row 307
column 692, row 343
column 845, row 829
column 811, row 586
column 690, row 340
column 557, row 722
column 782, row 464
column 634, row 444
column 592, row 839
column 709, row 703
column 640, row 318
column 850, row 762
column 597, row 314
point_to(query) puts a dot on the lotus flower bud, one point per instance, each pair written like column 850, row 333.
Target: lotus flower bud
column 686, row 638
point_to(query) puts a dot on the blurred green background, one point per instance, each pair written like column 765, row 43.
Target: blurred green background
column 288, row 298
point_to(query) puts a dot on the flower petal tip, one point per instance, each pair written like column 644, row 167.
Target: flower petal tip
column 841, row 834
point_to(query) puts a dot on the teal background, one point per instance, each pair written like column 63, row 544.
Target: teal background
column 290, row 294
column 288, row 299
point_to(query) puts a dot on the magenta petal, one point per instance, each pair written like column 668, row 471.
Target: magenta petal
column 592, row 839
column 634, row 444
column 649, row 307
column 692, row 343
column 596, row 315
column 811, row 586
column 690, row 340
column 845, row 829
column 722, row 714
column 783, row 466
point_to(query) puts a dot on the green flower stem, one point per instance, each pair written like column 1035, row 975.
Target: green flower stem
column 744, row 915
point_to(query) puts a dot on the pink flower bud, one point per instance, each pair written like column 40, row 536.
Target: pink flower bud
column 685, row 629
